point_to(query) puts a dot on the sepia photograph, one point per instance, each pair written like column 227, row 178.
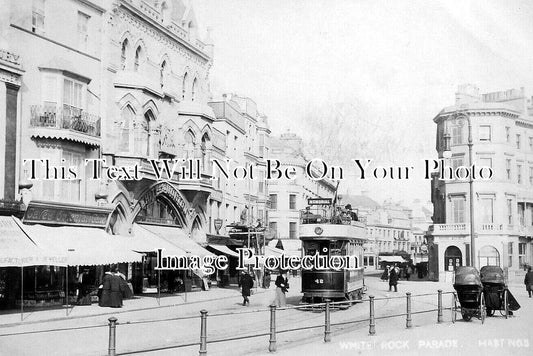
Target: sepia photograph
column 266, row 177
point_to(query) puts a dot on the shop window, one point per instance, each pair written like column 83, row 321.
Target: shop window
column 489, row 256
column 522, row 254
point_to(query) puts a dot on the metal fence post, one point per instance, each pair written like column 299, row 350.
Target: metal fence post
column 408, row 321
column 272, row 341
column 111, row 350
column 327, row 325
column 372, row 329
column 203, row 333
column 439, row 311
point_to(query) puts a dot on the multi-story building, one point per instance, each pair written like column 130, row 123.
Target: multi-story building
column 389, row 230
column 498, row 129
column 10, row 82
column 289, row 197
column 243, row 200
column 125, row 82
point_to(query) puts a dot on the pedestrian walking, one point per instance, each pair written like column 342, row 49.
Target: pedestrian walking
column 385, row 274
column 246, row 284
column 528, row 281
column 408, row 272
column 393, row 279
column 84, row 297
column 282, row 286
column 111, row 290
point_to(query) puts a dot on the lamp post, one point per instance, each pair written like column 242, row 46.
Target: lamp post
column 447, row 154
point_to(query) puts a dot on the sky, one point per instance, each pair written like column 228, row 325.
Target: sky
column 396, row 64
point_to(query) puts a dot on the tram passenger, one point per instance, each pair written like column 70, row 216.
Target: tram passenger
column 282, row 286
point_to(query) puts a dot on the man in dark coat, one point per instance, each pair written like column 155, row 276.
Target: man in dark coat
column 393, row 279
column 528, row 281
column 246, row 284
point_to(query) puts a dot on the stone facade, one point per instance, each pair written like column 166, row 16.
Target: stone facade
column 500, row 125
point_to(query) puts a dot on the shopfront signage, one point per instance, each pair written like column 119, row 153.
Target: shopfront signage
column 319, row 201
column 218, row 225
column 170, row 192
column 66, row 214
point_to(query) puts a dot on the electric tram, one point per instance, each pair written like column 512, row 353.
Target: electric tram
column 332, row 231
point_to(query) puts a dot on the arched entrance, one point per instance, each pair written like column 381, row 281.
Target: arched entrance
column 489, row 256
column 453, row 258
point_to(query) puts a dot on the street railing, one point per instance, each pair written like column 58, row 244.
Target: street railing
column 273, row 330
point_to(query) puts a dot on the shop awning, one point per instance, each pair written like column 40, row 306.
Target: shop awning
column 398, row 259
column 178, row 237
column 224, row 249
column 146, row 241
column 289, row 247
column 83, row 246
column 18, row 250
column 272, row 251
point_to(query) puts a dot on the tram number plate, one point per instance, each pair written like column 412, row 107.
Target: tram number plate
column 319, row 281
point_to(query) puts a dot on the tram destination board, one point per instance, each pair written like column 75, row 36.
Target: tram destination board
column 319, row 201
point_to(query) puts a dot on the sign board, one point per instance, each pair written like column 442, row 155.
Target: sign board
column 319, row 201
column 218, row 224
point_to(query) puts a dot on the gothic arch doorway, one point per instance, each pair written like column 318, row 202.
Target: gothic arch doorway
column 453, row 258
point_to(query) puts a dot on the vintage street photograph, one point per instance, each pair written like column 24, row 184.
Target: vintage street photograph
column 266, row 177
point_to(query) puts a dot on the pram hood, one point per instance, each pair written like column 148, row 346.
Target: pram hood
column 467, row 276
column 492, row 275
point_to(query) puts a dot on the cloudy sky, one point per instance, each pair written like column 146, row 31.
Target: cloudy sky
column 396, row 64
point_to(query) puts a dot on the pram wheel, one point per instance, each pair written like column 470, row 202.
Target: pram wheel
column 466, row 315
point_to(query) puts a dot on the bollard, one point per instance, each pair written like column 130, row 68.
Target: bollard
column 408, row 322
column 372, row 329
column 439, row 308
column 327, row 325
column 203, row 333
column 111, row 350
column 272, row 341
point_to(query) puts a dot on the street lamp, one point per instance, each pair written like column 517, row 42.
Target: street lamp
column 447, row 154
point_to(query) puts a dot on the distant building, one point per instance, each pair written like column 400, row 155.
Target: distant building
column 289, row 197
column 501, row 127
column 389, row 229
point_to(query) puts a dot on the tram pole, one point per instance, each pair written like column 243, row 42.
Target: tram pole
column 203, row 333
column 372, row 326
column 272, row 341
column 408, row 321
column 439, row 307
column 327, row 325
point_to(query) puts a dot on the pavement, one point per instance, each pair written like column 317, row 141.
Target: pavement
column 498, row 336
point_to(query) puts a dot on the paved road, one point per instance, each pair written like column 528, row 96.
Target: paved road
column 135, row 332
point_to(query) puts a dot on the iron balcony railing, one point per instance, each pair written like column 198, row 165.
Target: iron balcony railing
column 66, row 118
